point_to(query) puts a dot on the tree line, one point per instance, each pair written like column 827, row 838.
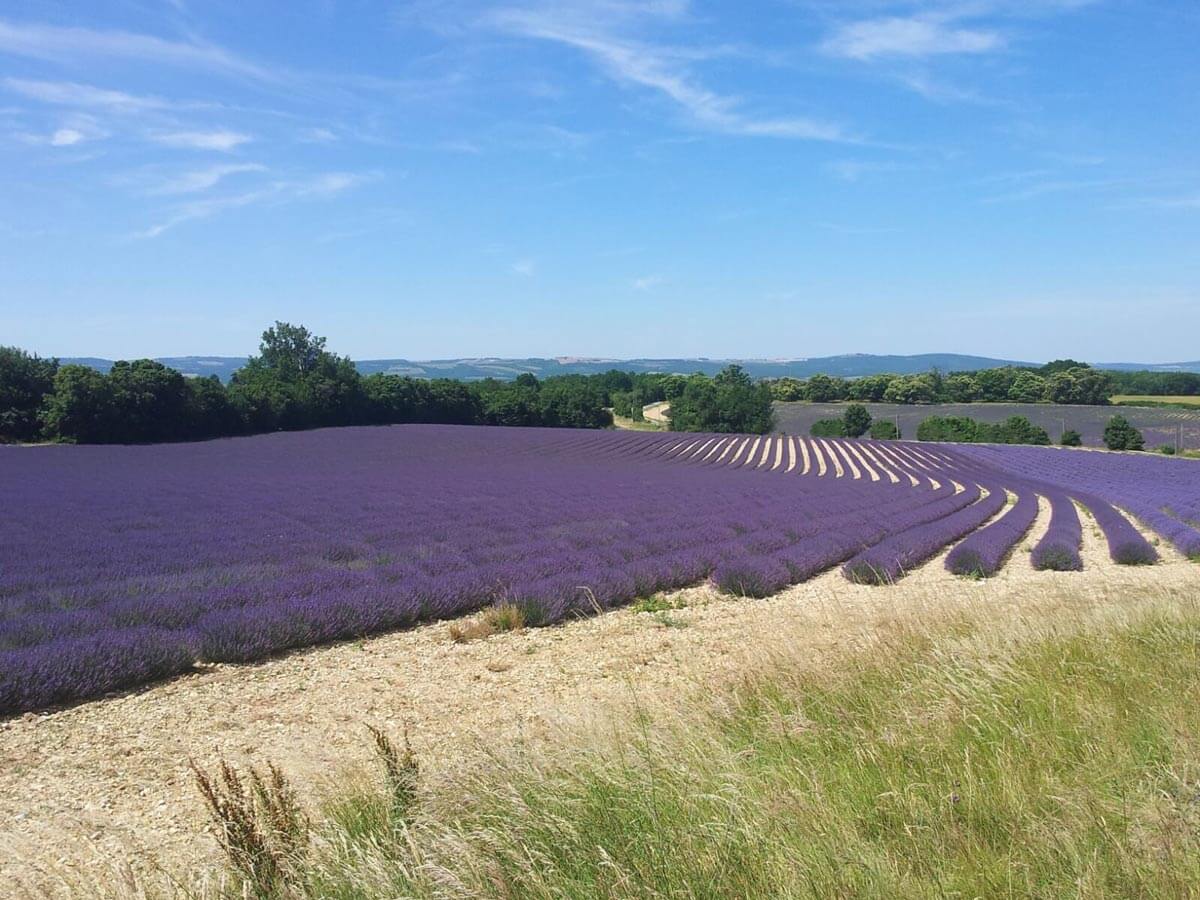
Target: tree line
column 1061, row 381
column 295, row 383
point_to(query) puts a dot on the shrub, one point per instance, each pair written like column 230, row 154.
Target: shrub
column 1119, row 434
column 1167, row 449
column 1071, row 438
column 968, row 563
column 755, row 578
column 1014, row 430
column 1134, row 554
column 957, row 429
column 885, row 431
column 855, row 420
column 828, row 428
column 1056, row 558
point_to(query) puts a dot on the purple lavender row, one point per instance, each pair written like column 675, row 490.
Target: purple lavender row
column 982, row 553
column 888, row 560
column 1126, row 546
column 1058, row 550
column 760, row 575
column 1162, row 493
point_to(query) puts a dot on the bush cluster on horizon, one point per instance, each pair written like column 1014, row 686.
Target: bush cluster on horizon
column 855, row 422
column 965, row 430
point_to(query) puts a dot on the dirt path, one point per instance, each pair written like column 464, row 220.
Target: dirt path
column 108, row 780
column 657, row 412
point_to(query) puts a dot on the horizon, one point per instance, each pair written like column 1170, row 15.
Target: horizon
column 567, row 360
column 672, row 179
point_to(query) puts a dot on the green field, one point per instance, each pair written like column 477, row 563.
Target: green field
column 1151, row 400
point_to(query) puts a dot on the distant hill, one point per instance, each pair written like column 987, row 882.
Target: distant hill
column 847, row 366
column 1151, row 367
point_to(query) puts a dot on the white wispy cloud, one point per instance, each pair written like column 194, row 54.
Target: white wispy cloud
column 221, row 140
column 523, row 267
column 71, row 44
column 324, row 185
column 204, row 179
column 647, row 282
column 65, row 137
column 74, row 129
column 600, row 29
column 70, row 93
column 854, row 169
column 318, row 136
column 910, row 37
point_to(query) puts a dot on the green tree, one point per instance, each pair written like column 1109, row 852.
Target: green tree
column 210, row 412
column 1062, row 365
column 856, row 420
column 1119, row 434
column 994, row 384
column 730, row 402
column 957, row 429
column 787, row 390
column 25, row 380
column 1080, row 386
column 869, row 388
column 294, row 382
column 961, row 387
column 824, row 389
column 910, row 389
column 572, row 401
column 1027, row 388
column 1013, row 430
column 828, row 428
column 290, row 350
column 453, row 403
column 79, row 409
column 883, row 430
column 1071, row 438
column 149, row 402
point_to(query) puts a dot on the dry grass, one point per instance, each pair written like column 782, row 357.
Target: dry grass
column 493, row 620
column 259, row 825
column 969, row 751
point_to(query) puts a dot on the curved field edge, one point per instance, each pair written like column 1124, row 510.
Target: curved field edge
column 762, row 533
column 969, row 751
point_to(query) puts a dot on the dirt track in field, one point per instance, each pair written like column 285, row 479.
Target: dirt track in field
column 85, row 787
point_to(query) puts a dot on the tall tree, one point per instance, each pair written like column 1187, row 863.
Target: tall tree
column 25, row 380
column 80, row 408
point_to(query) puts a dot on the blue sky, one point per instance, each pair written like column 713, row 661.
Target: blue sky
column 1014, row 178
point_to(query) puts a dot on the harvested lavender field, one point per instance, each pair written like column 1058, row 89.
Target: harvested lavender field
column 1159, row 426
column 124, row 565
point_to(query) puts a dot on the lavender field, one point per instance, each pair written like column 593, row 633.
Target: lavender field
column 122, row 565
column 1158, row 425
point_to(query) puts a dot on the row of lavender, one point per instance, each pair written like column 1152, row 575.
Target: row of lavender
column 121, row 565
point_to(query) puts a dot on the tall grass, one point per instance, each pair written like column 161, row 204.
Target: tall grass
column 952, row 762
